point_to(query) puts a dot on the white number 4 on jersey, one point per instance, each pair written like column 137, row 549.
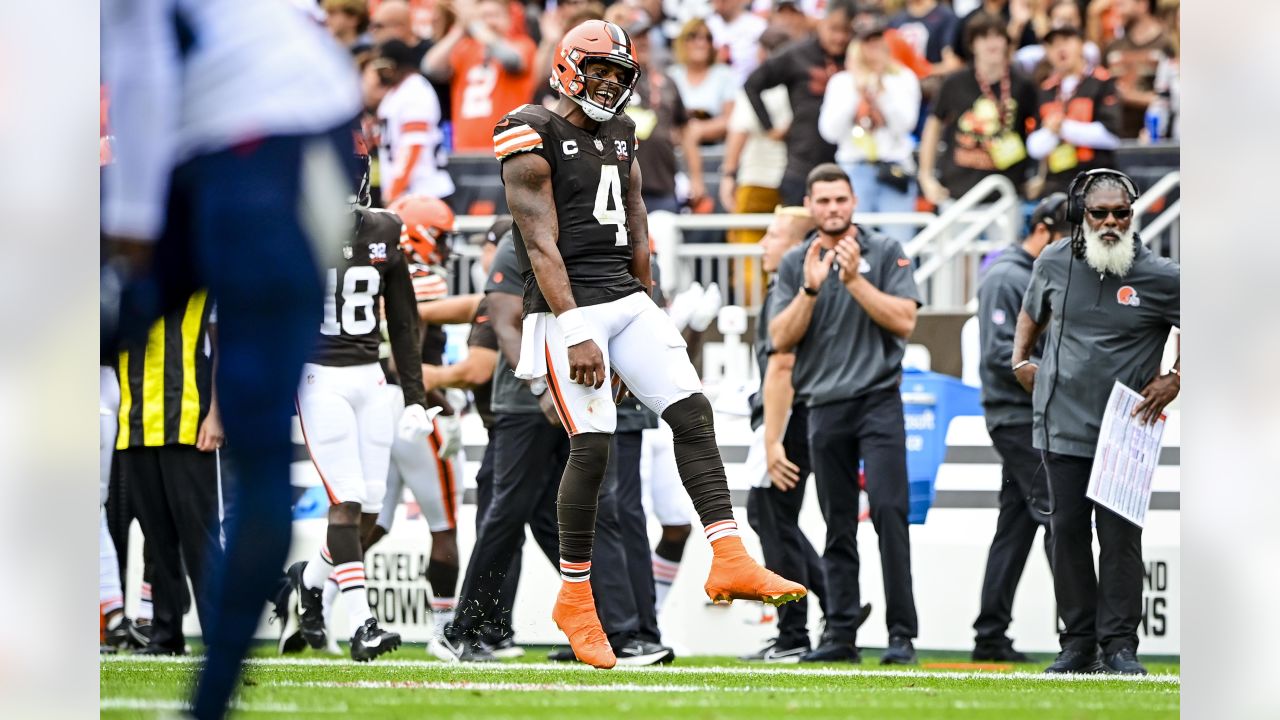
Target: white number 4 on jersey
column 611, row 189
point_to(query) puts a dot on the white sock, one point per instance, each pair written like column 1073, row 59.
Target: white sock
column 575, row 572
column 350, row 578
column 144, row 603
column 330, row 596
column 442, row 611
column 110, row 596
column 721, row 529
column 664, row 574
column 318, row 570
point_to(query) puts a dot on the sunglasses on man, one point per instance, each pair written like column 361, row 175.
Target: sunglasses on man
column 1101, row 213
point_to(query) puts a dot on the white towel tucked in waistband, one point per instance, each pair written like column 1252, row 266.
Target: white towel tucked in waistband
column 533, row 343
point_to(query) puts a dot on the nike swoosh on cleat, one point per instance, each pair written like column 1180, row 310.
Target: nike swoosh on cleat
column 373, row 642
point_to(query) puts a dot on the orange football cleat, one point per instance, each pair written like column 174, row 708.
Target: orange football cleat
column 575, row 615
column 736, row 576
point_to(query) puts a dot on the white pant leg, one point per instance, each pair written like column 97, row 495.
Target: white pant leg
column 376, row 428
column 108, row 422
column 651, row 357
column 669, row 500
column 330, row 431
column 584, row 408
column 395, row 491
column 109, row 593
column 433, row 480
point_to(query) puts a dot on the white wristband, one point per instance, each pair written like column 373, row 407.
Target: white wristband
column 573, row 327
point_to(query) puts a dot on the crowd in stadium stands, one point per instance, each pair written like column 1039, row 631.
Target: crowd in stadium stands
column 895, row 91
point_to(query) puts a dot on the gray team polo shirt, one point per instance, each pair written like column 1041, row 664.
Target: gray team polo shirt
column 1101, row 329
column 844, row 354
column 510, row 394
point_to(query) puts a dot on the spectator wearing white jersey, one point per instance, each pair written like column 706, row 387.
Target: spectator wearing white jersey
column 735, row 32
column 410, row 156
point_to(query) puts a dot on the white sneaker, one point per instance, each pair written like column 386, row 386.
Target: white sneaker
column 712, row 300
column 684, row 304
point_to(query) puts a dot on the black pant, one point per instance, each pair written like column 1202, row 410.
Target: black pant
column 775, row 516
column 869, row 428
column 622, row 566
column 529, row 455
column 1024, row 503
column 1096, row 610
column 174, row 489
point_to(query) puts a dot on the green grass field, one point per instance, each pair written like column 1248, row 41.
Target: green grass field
column 408, row 685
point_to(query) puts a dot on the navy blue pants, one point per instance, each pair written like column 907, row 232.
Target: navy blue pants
column 234, row 225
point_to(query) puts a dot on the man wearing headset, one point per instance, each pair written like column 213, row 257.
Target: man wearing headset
column 1007, row 408
column 1108, row 304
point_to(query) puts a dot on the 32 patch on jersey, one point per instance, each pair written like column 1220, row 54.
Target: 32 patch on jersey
column 377, row 252
column 623, row 153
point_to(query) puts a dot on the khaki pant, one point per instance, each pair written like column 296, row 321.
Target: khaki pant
column 751, row 199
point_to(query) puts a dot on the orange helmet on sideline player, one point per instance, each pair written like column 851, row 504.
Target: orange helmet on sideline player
column 428, row 223
column 594, row 40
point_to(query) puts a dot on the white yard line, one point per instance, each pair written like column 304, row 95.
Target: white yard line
column 561, row 668
column 507, row 687
column 128, row 703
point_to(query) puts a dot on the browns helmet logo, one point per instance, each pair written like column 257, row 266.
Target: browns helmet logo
column 1126, row 295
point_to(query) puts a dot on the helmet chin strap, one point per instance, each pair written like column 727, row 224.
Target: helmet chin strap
column 593, row 111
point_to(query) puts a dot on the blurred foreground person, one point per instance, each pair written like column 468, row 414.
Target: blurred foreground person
column 231, row 120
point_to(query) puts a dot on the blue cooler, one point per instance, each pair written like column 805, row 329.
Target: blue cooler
column 930, row 400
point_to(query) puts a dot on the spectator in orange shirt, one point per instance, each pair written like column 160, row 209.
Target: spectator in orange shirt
column 488, row 68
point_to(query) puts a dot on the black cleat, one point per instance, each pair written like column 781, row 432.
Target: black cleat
column 370, row 641
column 833, row 651
column 776, row 652
column 999, row 651
column 117, row 638
column 283, row 612
column 637, row 652
column 139, row 634
column 1077, row 661
column 899, row 652
column 562, row 655
column 153, row 649
column 504, row 648
column 454, row 646
column 310, row 608
column 1124, row 662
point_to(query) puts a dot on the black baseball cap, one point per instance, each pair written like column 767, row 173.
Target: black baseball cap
column 397, row 54
column 1052, row 211
column 501, row 226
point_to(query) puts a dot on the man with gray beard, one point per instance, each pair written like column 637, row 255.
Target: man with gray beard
column 1108, row 304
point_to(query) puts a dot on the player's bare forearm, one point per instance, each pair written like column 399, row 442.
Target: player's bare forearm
column 893, row 313
column 475, row 369
column 789, row 326
column 1025, row 337
column 504, row 314
column 778, row 394
column 450, row 310
column 638, row 229
column 528, row 181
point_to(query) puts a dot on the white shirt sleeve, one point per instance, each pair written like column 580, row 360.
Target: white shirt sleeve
column 1041, row 142
column 1089, row 134
column 900, row 102
column 835, row 120
column 419, row 117
column 142, row 70
column 743, row 117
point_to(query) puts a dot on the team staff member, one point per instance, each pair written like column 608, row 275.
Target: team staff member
column 169, row 432
column 850, row 305
column 1007, row 407
column 1108, row 304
